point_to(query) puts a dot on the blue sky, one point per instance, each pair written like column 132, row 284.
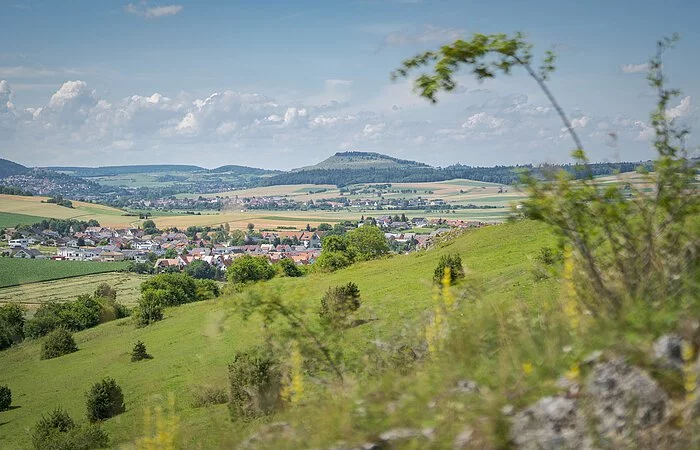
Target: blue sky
column 282, row 84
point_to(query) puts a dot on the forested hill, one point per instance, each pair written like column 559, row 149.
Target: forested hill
column 363, row 161
column 108, row 171
column 242, row 170
column 9, row 168
column 497, row 174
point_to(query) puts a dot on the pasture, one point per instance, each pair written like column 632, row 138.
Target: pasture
column 10, row 220
column 194, row 343
column 19, row 271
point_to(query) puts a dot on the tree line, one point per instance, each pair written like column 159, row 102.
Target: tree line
column 496, row 174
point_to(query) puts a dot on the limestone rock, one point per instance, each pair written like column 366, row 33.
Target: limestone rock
column 624, row 399
column 551, row 423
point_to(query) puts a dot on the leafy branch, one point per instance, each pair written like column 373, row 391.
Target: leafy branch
column 486, row 55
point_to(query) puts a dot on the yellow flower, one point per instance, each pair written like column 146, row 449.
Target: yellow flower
column 293, row 388
column 573, row 373
column 527, row 368
column 166, row 426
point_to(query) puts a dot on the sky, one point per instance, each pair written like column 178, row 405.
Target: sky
column 285, row 84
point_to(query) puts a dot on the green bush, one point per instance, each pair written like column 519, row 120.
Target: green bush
column 254, row 385
column 247, row 269
column 104, row 290
column 57, row 343
column 139, row 352
column 80, row 314
column 11, row 325
column 177, row 288
column 207, row 289
column 208, row 395
column 289, row 268
column 330, row 261
column 5, row 398
column 150, row 308
column 367, row 242
column 454, row 263
column 104, row 400
column 338, row 303
column 84, row 312
column 58, row 431
column 201, row 270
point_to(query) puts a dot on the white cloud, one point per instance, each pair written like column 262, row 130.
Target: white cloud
column 682, row 110
column 373, row 130
column 428, row 34
column 152, row 12
column 635, row 68
column 79, row 122
column 483, row 120
column 188, row 126
column 226, row 128
column 73, row 94
column 580, row 122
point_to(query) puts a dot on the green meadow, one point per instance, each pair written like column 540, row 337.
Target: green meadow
column 18, row 271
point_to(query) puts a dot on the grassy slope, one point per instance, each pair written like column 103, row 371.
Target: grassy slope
column 194, row 343
column 107, row 216
column 16, row 271
column 10, row 220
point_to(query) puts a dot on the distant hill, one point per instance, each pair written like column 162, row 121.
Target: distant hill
column 363, row 160
column 9, row 168
column 108, row 171
column 242, row 170
column 423, row 173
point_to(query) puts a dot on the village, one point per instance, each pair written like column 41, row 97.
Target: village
column 173, row 249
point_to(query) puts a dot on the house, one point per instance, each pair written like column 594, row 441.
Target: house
column 111, row 256
column 163, row 263
column 18, row 243
column 29, row 253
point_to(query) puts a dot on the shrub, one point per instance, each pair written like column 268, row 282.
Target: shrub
column 289, row 268
column 367, row 242
column 248, row 269
column 104, row 400
column 139, row 352
column 207, row 289
column 11, row 325
column 57, row 343
column 178, row 288
column 104, row 290
column 80, row 314
column 330, row 261
column 150, row 308
column 201, row 270
column 339, row 303
column 452, row 261
column 46, row 430
column 255, row 384
column 208, row 395
column 5, row 398
column 59, row 432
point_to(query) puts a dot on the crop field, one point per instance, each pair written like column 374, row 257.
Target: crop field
column 31, row 295
column 33, row 206
column 8, row 220
column 274, row 219
column 17, row 271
